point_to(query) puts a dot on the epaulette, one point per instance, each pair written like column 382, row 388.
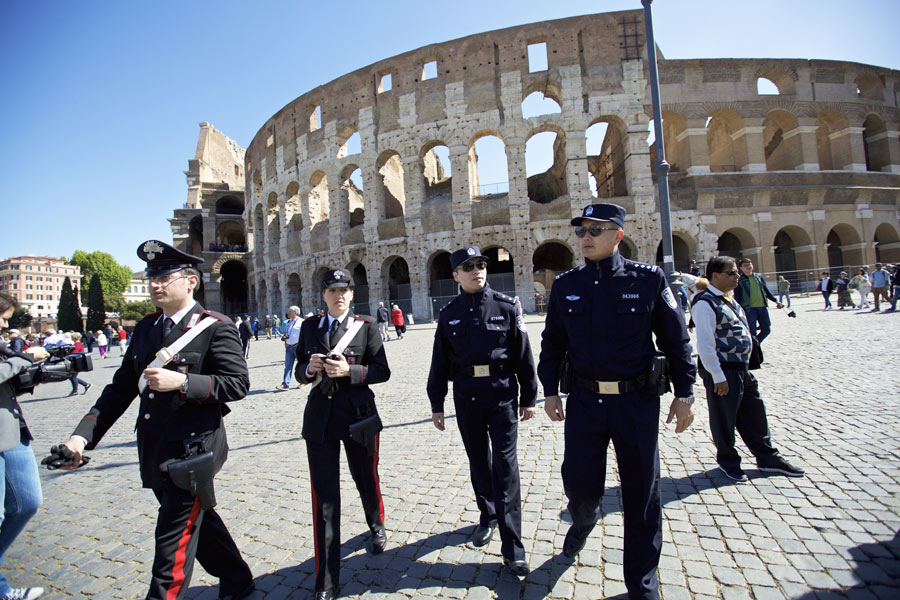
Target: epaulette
column 504, row 297
column 639, row 266
column 366, row 318
column 451, row 302
column 570, row 271
column 310, row 317
column 153, row 315
column 219, row 316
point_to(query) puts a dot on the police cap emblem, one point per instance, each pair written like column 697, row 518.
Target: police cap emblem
column 151, row 249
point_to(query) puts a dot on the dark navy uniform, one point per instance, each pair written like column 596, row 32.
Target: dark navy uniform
column 332, row 406
column 481, row 345
column 602, row 315
column 217, row 373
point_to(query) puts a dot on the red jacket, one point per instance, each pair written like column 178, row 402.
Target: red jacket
column 397, row 317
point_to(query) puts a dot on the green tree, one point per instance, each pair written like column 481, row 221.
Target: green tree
column 96, row 314
column 20, row 318
column 113, row 277
column 135, row 311
column 68, row 315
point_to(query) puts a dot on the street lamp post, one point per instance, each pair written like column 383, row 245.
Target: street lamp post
column 662, row 167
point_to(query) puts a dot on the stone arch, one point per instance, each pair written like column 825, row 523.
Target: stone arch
column 275, row 298
column 793, row 250
column 361, row 302
column 390, row 193
column 233, row 288
column 262, row 297
column 254, row 303
column 540, row 103
column 832, row 141
column 681, row 249
column 437, row 171
column 677, row 151
column 319, row 211
column 875, row 143
column 726, row 154
column 442, row 288
column 229, row 205
column 783, row 79
column 293, row 214
column 230, row 233
column 549, row 260
column 844, row 248
column 492, row 146
column 501, row 269
column 781, row 142
column 273, row 230
column 294, row 290
column 887, row 243
column 628, row 249
column 547, row 143
column 195, row 236
column 259, row 239
column 607, row 164
column 870, row 87
column 396, row 280
column 349, row 142
column 734, row 241
column 352, row 195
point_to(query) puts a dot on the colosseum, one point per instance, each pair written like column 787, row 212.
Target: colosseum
column 380, row 171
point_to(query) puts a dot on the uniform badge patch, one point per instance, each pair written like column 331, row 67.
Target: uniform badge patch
column 470, row 251
column 520, row 322
column 453, row 322
column 151, row 248
column 573, row 298
column 669, row 297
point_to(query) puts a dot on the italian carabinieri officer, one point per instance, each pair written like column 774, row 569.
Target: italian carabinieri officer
column 183, row 399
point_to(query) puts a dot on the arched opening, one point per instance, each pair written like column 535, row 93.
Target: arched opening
column 549, row 260
column 390, row 191
column 254, row 304
column 887, row 244
column 734, row 241
column 263, row 298
column 536, row 104
column 501, row 270
column 361, row 303
column 604, row 141
column 677, row 152
column 844, row 247
column 781, row 145
column 230, row 237
column 437, row 172
column 233, row 288
column 275, row 298
column 775, row 80
column 682, row 251
column 766, row 87
column 441, row 285
column 293, row 213
column 545, row 166
column 195, row 236
column 259, row 240
column 793, row 252
column 488, row 172
column 349, row 142
column 319, row 210
column 875, row 143
column 832, row 141
column 396, row 273
column 870, row 87
column 273, row 231
column 352, row 192
column 725, row 153
column 835, row 254
column 294, row 291
column 628, row 249
column 229, row 205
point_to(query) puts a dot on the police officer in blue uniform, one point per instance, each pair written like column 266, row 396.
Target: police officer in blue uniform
column 598, row 336
column 481, row 345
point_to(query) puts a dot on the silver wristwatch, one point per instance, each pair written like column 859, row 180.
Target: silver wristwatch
column 689, row 400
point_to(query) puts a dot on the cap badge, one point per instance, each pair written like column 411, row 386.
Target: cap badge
column 151, row 249
column 338, row 274
column 589, row 211
column 470, row 251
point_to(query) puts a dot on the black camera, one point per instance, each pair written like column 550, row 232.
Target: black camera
column 59, row 367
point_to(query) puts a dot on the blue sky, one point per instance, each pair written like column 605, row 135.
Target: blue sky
column 101, row 100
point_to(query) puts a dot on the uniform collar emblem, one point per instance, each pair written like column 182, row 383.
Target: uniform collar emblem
column 151, row 248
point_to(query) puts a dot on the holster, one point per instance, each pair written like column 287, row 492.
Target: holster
column 566, row 375
column 656, row 380
column 194, row 472
column 365, row 432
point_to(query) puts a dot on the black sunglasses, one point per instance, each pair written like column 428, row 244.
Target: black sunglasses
column 471, row 266
column 732, row 272
column 594, row 230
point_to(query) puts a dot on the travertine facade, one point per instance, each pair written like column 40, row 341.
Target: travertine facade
column 804, row 179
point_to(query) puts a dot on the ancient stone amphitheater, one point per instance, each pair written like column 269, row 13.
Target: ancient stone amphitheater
column 378, row 171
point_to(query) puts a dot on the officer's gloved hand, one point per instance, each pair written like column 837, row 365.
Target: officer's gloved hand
column 62, row 456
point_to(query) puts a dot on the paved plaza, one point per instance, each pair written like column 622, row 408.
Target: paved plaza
column 833, row 396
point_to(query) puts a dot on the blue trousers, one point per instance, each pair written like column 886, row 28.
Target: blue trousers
column 290, row 355
column 20, row 495
column 759, row 317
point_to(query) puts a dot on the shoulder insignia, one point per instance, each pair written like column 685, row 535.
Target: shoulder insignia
column 449, row 303
column 366, row 318
column 569, row 272
column 504, row 297
column 153, row 315
column 639, row 266
column 310, row 318
column 219, row 316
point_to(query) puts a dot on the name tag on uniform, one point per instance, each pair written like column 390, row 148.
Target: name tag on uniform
column 497, row 318
column 631, row 296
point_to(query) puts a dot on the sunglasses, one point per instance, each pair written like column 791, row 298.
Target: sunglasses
column 471, row 266
column 732, row 272
column 594, row 230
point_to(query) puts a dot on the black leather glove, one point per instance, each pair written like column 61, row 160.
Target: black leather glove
column 61, row 456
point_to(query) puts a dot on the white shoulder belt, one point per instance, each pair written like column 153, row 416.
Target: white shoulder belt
column 351, row 332
column 165, row 354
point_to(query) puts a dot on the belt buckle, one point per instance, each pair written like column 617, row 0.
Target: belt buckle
column 481, row 370
column 607, row 387
column 164, row 356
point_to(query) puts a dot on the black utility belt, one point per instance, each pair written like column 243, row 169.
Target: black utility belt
column 481, row 370
column 606, row 387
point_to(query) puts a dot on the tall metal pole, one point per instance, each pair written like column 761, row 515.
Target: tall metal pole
column 662, row 167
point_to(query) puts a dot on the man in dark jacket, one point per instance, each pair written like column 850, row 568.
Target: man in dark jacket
column 183, row 395
column 753, row 295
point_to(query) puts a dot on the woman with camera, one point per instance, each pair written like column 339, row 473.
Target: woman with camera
column 20, row 494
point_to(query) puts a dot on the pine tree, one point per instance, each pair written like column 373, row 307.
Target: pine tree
column 68, row 315
column 96, row 314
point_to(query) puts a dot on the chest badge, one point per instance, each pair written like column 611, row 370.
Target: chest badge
column 631, row 296
column 453, row 322
column 573, row 298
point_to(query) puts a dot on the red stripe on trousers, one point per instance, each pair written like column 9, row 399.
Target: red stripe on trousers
column 377, row 480
column 180, row 552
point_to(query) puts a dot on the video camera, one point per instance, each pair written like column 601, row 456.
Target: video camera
column 59, row 367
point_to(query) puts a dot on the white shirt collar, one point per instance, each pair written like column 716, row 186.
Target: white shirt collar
column 339, row 319
column 177, row 317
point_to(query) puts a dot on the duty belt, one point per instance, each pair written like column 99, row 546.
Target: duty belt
column 607, row 387
column 481, row 370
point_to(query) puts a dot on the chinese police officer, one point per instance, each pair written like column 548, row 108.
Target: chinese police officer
column 599, row 336
column 481, row 345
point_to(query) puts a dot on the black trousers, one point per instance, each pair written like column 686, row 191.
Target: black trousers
column 741, row 408
column 325, row 484
column 489, row 432
column 185, row 531
column 631, row 421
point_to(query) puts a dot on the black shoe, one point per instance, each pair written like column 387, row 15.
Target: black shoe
column 780, row 466
column 87, row 388
column 519, row 568
column 73, row 393
column 734, row 473
column 328, row 594
column 243, row 593
column 574, row 542
column 483, row 534
column 379, row 541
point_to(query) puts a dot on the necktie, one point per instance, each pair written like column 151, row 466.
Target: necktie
column 167, row 326
column 332, row 334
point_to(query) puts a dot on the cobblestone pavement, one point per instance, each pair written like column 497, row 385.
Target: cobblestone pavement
column 832, row 398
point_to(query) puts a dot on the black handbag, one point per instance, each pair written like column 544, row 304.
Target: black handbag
column 756, row 355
